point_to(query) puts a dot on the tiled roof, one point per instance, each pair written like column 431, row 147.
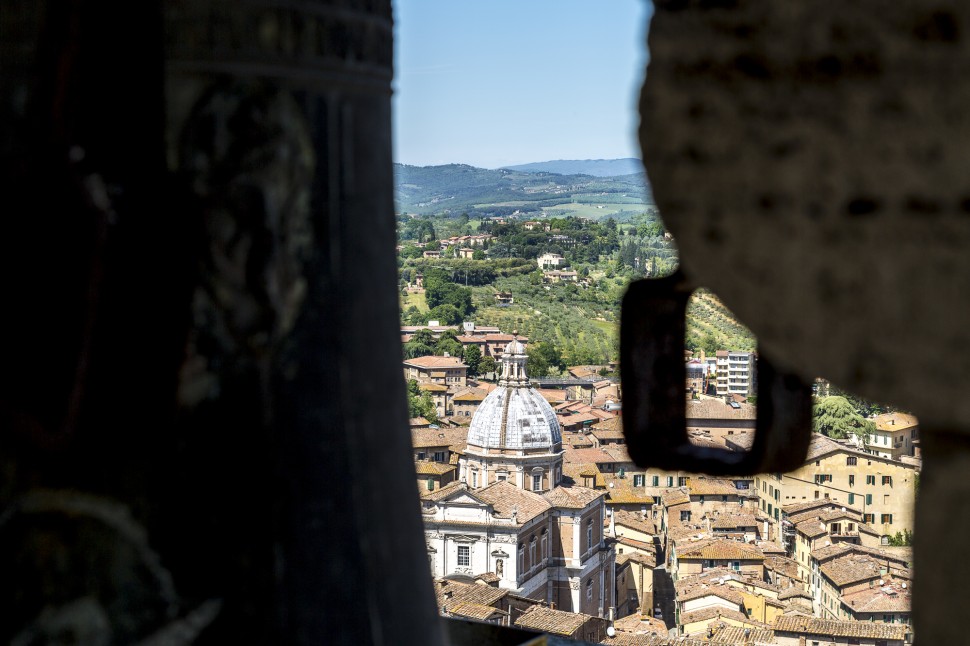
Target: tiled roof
column 743, row 636
column 895, row 421
column 472, row 610
column 506, row 497
column 823, row 554
column 418, row 421
column 717, row 409
column 622, row 491
column 433, row 388
column 716, row 612
column 648, row 559
column 671, row 497
column 573, row 497
column 638, row 624
column 449, row 592
column 733, row 521
column 623, row 518
column 851, row 568
column 783, row 565
column 793, row 592
column 723, row 549
column 892, row 597
column 835, row 628
column 588, row 456
column 436, row 437
column 552, row 621
column 444, row 492
column 704, row 590
column 470, row 395
column 425, row 468
column 433, row 361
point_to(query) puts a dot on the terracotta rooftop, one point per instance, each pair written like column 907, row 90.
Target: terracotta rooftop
column 894, row 597
column 793, row 592
column 638, row 624
column 573, row 497
column 437, row 437
column 588, row 456
column 506, row 497
column 722, row 549
column 633, row 520
column 895, row 422
column 734, row 521
column 743, row 636
column 433, row 361
column 783, row 565
column 621, row 491
column 717, row 409
column 851, row 568
column 473, row 610
column 470, row 395
column 552, row 621
column 450, row 592
column 671, row 497
column 426, row 468
column 823, row 554
column 716, row 612
column 835, row 628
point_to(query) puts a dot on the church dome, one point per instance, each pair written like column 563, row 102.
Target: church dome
column 514, row 416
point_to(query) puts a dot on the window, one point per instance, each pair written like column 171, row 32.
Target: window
column 851, row 461
column 638, row 480
column 502, row 477
column 589, row 590
column 656, row 481
column 724, row 499
column 521, row 558
column 430, row 484
column 589, row 534
column 887, row 480
column 544, row 546
column 851, row 480
column 868, row 498
column 464, row 555
column 670, row 481
column 532, row 552
column 702, row 499
column 851, row 498
column 537, row 482
column 685, row 514
column 870, row 480
column 887, row 519
column 736, row 566
column 868, row 518
column 816, row 494
column 823, row 477
column 420, row 455
column 474, row 479
column 681, row 481
column 439, row 456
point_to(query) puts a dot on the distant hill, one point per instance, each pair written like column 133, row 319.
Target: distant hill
column 594, row 167
column 479, row 192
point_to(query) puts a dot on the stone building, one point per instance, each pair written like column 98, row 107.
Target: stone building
column 510, row 514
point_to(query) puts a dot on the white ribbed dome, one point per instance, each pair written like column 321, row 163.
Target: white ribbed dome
column 514, row 418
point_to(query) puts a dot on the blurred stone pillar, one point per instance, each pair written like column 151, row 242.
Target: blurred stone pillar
column 202, row 416
column 810, row 160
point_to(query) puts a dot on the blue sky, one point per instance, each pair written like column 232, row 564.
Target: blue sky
column 501, row 82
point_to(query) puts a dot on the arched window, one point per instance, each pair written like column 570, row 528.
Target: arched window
column 532, row 552
column 521, row 558
column 544, row 545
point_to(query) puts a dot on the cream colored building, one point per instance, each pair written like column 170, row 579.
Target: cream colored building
column 894, row 435
column 881, row 488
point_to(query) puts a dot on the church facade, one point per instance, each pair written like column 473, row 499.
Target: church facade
column 511, row 514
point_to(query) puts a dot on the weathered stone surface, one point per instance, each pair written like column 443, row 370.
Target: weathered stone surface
column 811, row 160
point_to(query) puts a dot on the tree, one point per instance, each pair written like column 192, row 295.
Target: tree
column 836, row 417
column 422, row 336
column 445, row 314
column 709, row 344
column 450, row 346
column 413, row 350
column 543, row 358
column 473, row 359
column 486, row 366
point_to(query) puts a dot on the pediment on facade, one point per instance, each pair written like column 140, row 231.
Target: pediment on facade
column 463, row 498
column 500, row 554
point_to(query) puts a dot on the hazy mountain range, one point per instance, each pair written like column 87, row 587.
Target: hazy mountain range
column 526, row 189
